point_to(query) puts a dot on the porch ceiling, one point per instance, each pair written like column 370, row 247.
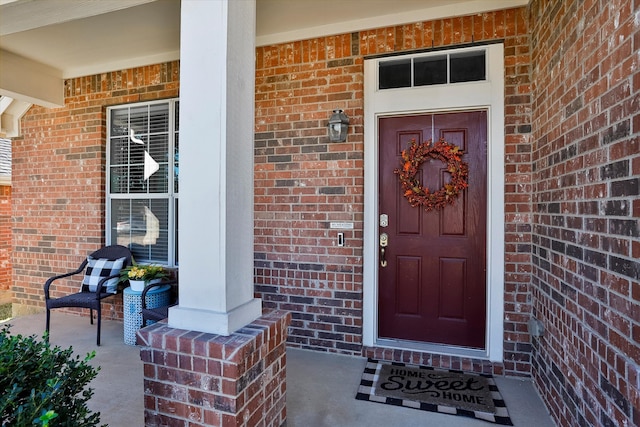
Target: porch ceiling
column 44, row 42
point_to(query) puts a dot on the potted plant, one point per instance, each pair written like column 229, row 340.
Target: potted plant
column 140, row 275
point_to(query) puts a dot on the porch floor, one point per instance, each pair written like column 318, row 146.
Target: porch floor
column 321, row 387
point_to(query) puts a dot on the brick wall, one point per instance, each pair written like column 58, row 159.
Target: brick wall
column 59, row 178
column 5, row 237
column 302, row 183
column 193, row 378
column 586, row 274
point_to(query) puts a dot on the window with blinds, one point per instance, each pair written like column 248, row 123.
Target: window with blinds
column 142, row 180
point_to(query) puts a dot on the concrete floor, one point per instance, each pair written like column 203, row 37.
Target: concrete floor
column 321, row 387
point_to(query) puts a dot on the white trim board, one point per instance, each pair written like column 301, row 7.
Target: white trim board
column 485, row 95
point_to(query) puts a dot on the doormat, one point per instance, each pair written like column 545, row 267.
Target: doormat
column 428, row 389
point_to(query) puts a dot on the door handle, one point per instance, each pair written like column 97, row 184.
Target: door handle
column 384, row 241
column 383, row 262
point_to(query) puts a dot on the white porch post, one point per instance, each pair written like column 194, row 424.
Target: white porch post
column 217, row 66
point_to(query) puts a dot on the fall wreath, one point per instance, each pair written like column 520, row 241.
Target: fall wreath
column 412, row 158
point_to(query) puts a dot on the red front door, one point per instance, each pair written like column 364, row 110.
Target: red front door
column 433, row 288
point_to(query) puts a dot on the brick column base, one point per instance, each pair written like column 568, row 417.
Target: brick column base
column 199, row 379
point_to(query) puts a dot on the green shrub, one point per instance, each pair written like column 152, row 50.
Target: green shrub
column 43, row 386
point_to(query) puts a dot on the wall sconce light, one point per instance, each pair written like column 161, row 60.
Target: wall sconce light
column 338, row 125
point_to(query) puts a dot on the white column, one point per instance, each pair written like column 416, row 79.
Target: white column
column 217, row 80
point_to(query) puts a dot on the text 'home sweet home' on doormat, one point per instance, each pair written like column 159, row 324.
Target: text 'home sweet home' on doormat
column 428, row 389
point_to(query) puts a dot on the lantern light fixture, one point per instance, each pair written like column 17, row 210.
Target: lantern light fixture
column 338, row 126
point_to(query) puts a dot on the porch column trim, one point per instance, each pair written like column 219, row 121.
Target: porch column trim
column 217, row 67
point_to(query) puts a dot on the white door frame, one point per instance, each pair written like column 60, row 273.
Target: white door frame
column 484, row 95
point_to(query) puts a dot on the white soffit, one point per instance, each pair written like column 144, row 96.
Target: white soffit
column 30, row 81
column 43, row 42
column 86, row 37
column 281, row 21
column 121, row 34
column 23, row 15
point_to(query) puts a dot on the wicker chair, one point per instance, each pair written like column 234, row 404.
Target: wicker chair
column 101, row 271
column 158, row 313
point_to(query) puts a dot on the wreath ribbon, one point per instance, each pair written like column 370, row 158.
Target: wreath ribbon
column 414, row 156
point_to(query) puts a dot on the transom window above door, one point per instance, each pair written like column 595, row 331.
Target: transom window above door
column 142, row 180
column 434, row 68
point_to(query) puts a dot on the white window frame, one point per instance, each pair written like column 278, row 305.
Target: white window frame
column 171, row 195
column 438, row 53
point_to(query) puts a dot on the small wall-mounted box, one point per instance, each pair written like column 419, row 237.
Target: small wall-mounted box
column 536, row 328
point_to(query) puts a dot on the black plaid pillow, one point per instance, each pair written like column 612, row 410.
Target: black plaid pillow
column 99, row 268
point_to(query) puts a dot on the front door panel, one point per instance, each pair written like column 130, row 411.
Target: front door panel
column 433, row 287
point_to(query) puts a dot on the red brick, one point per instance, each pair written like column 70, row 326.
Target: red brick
column 5, row 237
column 196, row 397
